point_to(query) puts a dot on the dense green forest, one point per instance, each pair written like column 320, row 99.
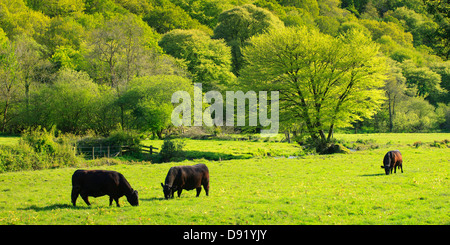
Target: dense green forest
column 104, row 65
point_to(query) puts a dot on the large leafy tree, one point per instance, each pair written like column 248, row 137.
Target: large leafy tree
column 148, row 101
column 324, row 82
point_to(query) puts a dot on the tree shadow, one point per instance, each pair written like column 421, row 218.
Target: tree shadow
column 212, row 156
column 192, row 155
column 53, row 207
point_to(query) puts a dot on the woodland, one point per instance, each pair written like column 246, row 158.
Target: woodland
column 105, row 65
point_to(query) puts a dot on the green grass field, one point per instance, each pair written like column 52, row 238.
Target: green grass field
column 310, row 189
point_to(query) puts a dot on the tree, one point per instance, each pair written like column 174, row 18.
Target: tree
column 441, row 13
column 54, row 8
column 415, row 114
column 395, row 89
column 421, row 27
column 148, row 101
column 117, row 49
column 167, row 17
column 324, row 82
column 69, row 103
column 9, row 79
column 238, row 24
column 423, row 78
column 208, row 60
column 30, row 56
column 310, row 5
column 205, row 11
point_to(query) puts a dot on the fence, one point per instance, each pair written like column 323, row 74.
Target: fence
column 109, row 150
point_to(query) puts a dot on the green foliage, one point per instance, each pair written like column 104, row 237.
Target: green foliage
column 415, row 115
column 424, row 79
column 323, row 81
column 113, row 42
column 208, row 60
column 116, row 139
column 168, row 16
column 238, row 24
column 421, row 27
column 54, row 8
column 205, row 11
column 37, row 149
column 148, row 101
column 171, row 149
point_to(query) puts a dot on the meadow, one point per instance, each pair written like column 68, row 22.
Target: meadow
column 253, row 187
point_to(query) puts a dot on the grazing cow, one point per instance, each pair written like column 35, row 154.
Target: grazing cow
column 392, row 160
column 186, row 177
column 102, row 182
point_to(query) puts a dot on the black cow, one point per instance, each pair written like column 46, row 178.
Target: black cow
column 186, row 177
column 102, row 182
column 392, row 160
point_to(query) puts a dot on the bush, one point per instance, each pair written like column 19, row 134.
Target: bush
column 125, row 139
column 324, row 147
column 172, row 148
column 37, row 150
column 18, row 157
column 440, row 144
column 40, row 140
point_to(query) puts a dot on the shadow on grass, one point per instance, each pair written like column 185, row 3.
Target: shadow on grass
column 212, row 156
column 152, row 199
column 370, row 175
column 191, row 155
column 53, row 207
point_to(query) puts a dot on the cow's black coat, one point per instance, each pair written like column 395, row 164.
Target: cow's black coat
column 392, row 160
column 102, row 182
column 186, row 177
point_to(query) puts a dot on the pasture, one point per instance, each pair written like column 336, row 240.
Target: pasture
column 254, row 188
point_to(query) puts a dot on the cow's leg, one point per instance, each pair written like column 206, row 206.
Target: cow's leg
column 395, row 169
column 86, row 199
column 117, row 201
column 110, row 200
column 199, row 189
column 179, row 192
column 401, row 167
column 75, row 192
column 206, row 187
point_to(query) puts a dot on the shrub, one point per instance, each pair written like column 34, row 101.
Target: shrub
column 417, row 144
column 171, row 149
column 40, row 140
column 37, row 149
column 24, row 156
column 115, row 140
column 440, row 144
column 18, row 157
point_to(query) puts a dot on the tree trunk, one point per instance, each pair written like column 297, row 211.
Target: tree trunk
column 391, row 125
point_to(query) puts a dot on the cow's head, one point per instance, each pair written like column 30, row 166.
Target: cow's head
column 386, row 169
column 133, row 198
column 168, row 191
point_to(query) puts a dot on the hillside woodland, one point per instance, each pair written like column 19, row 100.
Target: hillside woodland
column 104, row 65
